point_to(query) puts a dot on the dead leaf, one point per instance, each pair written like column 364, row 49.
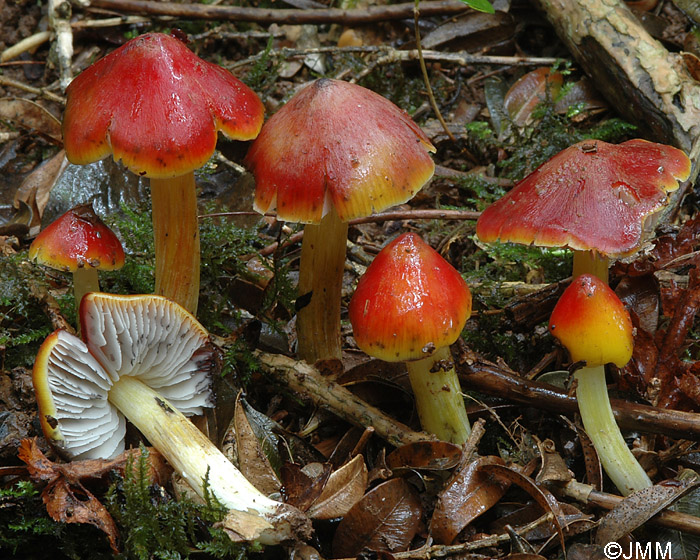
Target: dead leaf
column 529, row 91
column 637, row 508
column 36, row 187
column 544, row 498
column 425, row 455
column 553, row 467
column 469, row 493
column 474, row 31
column 32, row 116
column 15, row 221
column 252, row 461
column 303, row 485
column 345, row 487
column 385, row 520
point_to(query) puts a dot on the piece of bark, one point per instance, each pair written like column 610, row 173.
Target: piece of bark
column 646, row 84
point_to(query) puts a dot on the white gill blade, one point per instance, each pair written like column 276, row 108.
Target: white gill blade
column 78, row 387
column 155, row 340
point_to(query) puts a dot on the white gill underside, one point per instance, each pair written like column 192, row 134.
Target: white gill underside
column 151, row 339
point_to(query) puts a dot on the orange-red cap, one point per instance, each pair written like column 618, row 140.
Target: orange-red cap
column 78, row 239
column 157, row 107
column 409, row 302
column 591, row 322
column 341, row 144
column 590, row 196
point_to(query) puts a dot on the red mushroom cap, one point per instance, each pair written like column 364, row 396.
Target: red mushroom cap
column 590, row 320
column 156, row 106
column 78, row 239
column 342, row 144
column 590, row 196
column 409, row 302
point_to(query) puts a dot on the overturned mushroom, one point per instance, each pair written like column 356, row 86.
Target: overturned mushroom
column 148, row 360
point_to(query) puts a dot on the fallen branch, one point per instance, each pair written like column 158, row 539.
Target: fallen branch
column 325, row 393
column 494, row 380
column 370, row 14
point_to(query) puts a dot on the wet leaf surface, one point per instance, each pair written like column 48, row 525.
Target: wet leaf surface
column 344, row 488
column 385, row 520
column 425, row 455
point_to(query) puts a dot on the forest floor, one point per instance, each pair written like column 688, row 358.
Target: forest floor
column 341, row 439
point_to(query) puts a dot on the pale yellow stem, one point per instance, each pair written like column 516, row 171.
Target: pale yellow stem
column 598, row 420
column 85, row 280
column 321, row 274
column 176, row 233
column 254, row 516
column 438, row 395
column 591, row 262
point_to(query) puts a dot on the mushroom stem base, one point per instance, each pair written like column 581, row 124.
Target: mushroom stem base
column 176, row 236
column 598, row 420
column 254, row 516
column 439, row 397
column 323, row 253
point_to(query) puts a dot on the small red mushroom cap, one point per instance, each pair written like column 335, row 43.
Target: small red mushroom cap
column 78, row 239
column 409, row 302
column 341, row 144
column 157, row 107
column 590, row 196
column 591, row 322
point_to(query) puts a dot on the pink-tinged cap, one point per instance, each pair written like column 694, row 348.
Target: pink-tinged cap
column 409, row 302
column 157, row 107
column 78, row 239
column 590, row 196
column 341, row 144
column 591, row 322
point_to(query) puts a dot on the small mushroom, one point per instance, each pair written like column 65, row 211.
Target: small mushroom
column 591, row 322
column 81, row 243
column 596, row 198
column 409, row 306
column 334, row 152
column 157, row 107
column 146, row 359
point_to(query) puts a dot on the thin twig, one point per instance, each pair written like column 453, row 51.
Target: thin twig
column 365, row 15
column 41, row 92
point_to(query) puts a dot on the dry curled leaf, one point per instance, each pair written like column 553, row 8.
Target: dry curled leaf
column 65, row 497
column 345, row 487
column 252, row 461
column 425, row 455
column 637, row 508
column 385, row 520
column 470, row 492
column 32, row 116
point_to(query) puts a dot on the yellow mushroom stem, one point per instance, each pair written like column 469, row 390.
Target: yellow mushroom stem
column 591, row 262
column 176, row 235
column 254, row 516
column 598, row 420
column 323, row 251
column 438, row 395
column 85, row 280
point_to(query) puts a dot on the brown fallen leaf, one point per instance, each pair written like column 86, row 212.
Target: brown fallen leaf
column 637, row 508
column 425, row 455
column 470, row 492
column 35, row 189
column 529, row 91
column 344, row 488
column 544, row 498
column 65, row 497
column 32, row 116
column 252, row 461
column 385, row 520
column 303, row 485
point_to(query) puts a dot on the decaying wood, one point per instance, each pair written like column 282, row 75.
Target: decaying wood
column 494, row 380
column 645, row 83
column 370, row 14
column 325, row 393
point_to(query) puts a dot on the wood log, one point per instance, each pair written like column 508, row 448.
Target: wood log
column 647, row 85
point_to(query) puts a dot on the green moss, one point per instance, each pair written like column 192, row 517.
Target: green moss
column 153, row 525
